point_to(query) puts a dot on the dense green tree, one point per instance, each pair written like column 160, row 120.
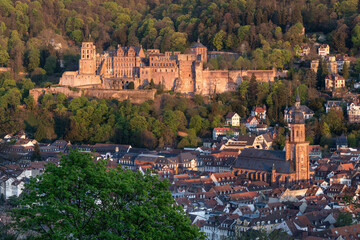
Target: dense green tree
column 344, row 219
column 16, row 50
column 253, row 91
column 33, row 59
column 26, row 85
column 294, row 35
column 355, row 37
column 36, row 156
column 4, row 57
column 218, row 40
column 50, row 65
column 262, row 235
column 196, row 123
column 178, row 41
column 86, row 201
column 310, row 78
column 334, row 120
column 339, row 37
column 346, row 71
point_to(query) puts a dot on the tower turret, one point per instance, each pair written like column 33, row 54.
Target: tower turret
column 87, row 63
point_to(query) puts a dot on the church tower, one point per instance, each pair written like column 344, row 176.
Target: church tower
column 87, row 63
column 297, row 149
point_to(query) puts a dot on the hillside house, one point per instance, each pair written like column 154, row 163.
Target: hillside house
column 324, row 50
column 232, row 119
column 334, row 81
column 353, row 111
column 259, row 112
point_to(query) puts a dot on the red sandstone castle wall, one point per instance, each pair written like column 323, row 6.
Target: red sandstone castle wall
column 261, row 75
column 215, row 81
column 74, row 79
column 179, row 72
column 165, row 76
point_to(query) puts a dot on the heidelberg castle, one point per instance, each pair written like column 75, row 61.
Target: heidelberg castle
column 183, row 73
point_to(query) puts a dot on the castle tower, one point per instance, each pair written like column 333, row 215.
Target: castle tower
column 87, row 63
column 200, row 51
column 297, row 149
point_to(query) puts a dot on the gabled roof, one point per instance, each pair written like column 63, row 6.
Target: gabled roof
column 198, row 44
column 334, row 77
column 334, row 103
column 324, row 46
column 60, row 143
column 230, row 114
column 251, row 118
column 136, row 49
column 262, row 160
column 259, row 109
column 243, row 196
column 302, row 108
column 224, row 129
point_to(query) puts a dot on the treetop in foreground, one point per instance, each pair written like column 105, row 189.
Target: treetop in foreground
column 82, row 199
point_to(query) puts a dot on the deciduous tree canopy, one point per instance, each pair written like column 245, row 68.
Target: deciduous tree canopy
column 82, row 199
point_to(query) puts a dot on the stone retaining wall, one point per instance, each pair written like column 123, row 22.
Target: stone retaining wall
column 135, row 96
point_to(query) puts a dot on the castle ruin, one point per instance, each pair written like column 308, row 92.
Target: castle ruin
column 183, row 73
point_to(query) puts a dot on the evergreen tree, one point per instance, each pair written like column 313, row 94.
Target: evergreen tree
column 37, row 154
column 253, row 91
column 310, row 78
column 319, row 74
column 346, row 71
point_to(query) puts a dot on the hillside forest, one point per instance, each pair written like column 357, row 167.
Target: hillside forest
column 266, row 34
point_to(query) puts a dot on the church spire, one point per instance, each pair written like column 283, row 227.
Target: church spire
column 297, row 99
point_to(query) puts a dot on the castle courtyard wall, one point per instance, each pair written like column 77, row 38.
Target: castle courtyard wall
column 164, row 76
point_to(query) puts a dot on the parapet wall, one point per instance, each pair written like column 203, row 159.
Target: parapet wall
column 236, row 76
column 135, row 96
column 74, row 79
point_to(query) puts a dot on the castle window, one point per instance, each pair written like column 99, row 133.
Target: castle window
column 297, row 133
